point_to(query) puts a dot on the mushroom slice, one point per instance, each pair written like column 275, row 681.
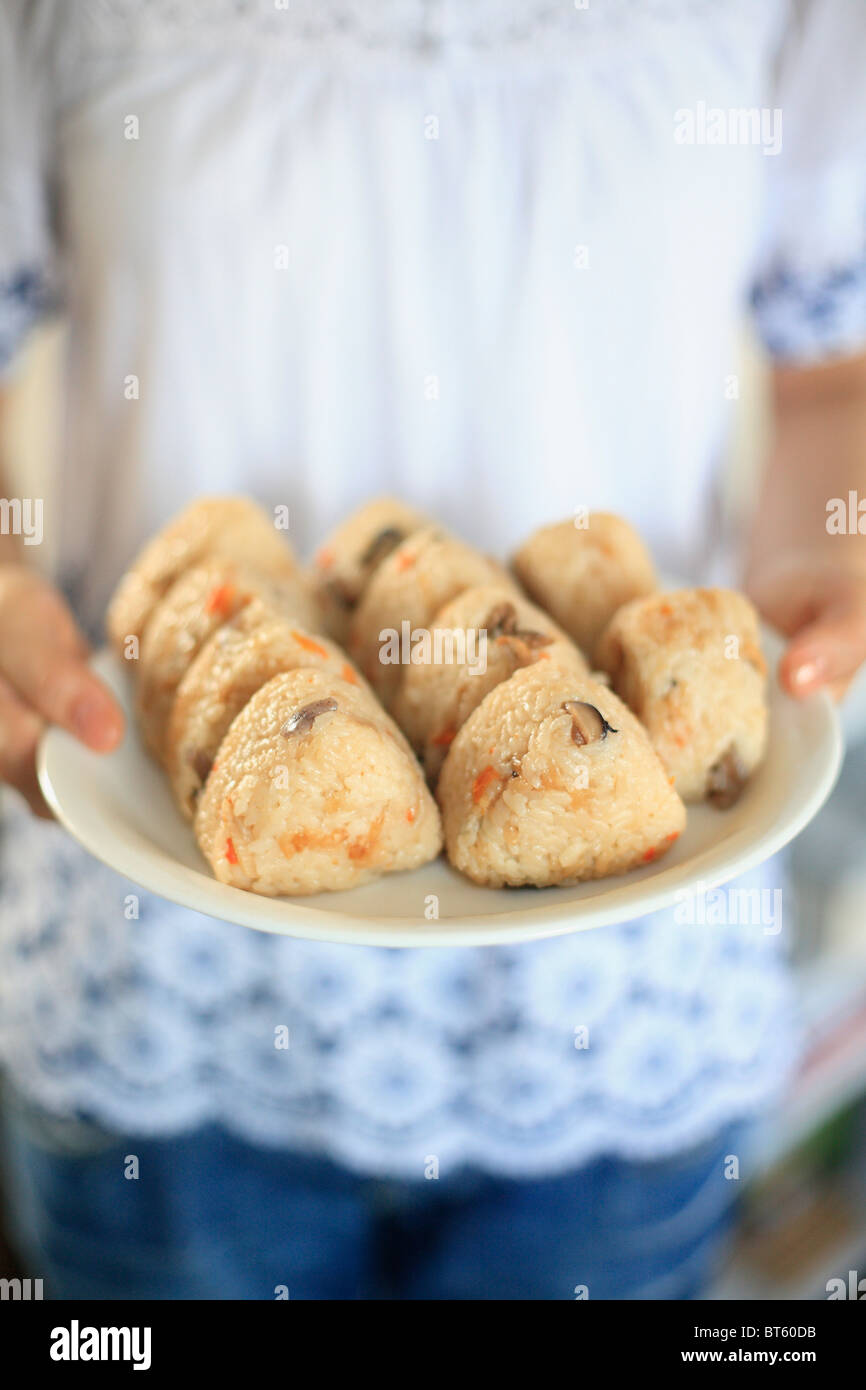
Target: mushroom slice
column 726, row 779
column 501, row 625
column 524, row 644
column 339, row 592
column 381, row 545
column 587, row 722
column 501, row 621
column 303, row 719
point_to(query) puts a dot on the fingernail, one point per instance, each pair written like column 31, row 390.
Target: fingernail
column 807, row 674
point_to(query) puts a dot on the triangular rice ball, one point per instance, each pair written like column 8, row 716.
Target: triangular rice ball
column 552, row 780
column 232, row 665
column 234, row 527
column 314, row 788
column 476, row 641
column 410, row 587
column 689, row 664
column 198, row 603
column 344, row 565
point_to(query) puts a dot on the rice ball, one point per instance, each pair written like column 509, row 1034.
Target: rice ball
column 409, row 588
column 196, row 605
column 477, row 640
column 233, row 664
column 582, row 575
column 234, row 527
column 314, row 789
column 343, row 566
column 690, row 666
column 552, row 780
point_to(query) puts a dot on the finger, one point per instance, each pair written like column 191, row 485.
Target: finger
column 19, row 736
column 62, row 690
column 827, row 652
column 43, row 657
column 28, row 606
column 788, row 599
column 788, row 611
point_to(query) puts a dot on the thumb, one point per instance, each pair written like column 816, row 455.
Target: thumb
column 826, row 650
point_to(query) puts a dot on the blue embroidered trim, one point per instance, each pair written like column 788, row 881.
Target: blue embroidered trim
column 803, row 316
column 25, row 297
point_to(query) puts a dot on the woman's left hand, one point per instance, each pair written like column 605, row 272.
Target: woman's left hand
column 820, row 606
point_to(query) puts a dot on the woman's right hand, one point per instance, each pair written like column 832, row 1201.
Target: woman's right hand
column 45, row 679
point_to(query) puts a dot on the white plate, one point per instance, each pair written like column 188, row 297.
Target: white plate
column 120, row 809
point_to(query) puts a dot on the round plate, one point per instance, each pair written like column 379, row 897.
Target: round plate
column 119, row 807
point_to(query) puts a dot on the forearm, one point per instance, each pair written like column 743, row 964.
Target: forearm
column 818, row 454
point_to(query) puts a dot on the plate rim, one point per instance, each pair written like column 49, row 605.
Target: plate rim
column 293, row 918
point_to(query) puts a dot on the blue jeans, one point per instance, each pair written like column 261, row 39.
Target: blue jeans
column 210, row 1216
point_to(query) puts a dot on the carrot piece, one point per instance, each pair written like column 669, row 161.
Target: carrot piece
column 405, row 562
column 445, row 736
column 220, row 599
column 308, row 644
column 410, row 815
column 650, row 855
column 348, row 674
column 482, row 782
column 231, row 852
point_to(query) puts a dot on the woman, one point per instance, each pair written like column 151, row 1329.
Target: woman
column 490, row 257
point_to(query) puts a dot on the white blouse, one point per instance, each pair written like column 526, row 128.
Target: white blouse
column 491, row 257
